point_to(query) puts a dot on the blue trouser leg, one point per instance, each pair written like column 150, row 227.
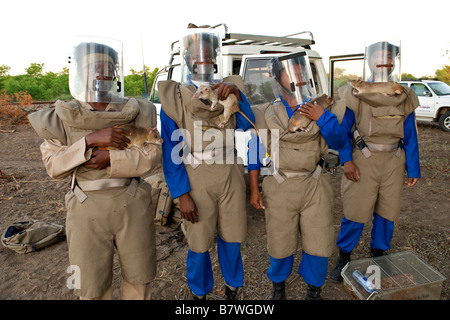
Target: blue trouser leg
column 230, row 262
column 313, row 269
column 382, row 232
column 280, row 269
column 349, row 235
column 199, row 272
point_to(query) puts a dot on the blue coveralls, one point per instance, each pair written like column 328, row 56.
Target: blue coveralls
column 198, row 265
column 313, row 269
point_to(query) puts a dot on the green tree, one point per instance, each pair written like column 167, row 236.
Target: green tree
column 4, row 70
column 444, row 74
column 135, row 84
column 408, row 76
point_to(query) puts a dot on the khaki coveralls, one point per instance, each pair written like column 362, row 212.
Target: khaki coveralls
column 379, row 121
column 302, row 202
column 216, row 180
column 107, row 209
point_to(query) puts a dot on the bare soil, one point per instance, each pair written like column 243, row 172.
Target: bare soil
column 27, row 192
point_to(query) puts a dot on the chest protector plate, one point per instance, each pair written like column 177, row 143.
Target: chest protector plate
column 193, row 115
column 380, row 118
column 298, row 151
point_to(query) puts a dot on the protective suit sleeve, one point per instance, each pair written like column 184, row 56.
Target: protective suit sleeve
column 333, row 133
column 60, row 160
column 175, row 174
column 411, row 147
column 345, row 152
column 133, row 162
column 241, row 122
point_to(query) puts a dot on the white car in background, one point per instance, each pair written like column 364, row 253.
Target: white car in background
column 434, row 99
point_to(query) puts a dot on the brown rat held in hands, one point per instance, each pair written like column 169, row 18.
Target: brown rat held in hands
column 230, row 104
column 139, row 137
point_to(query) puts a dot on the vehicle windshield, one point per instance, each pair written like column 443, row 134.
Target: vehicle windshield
column 440, row 88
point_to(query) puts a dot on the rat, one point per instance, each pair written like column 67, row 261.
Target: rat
column 139, row 137
column 299, row 122
column 230, row 104
column 387, row 88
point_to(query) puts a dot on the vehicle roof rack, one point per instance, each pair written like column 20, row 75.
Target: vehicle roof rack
column 253, row 39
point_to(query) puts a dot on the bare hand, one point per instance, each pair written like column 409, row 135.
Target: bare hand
column 312, row 111
column 225, row 88
column 351, row 171
column 411, row 182
column 188, row 208
column 99, row 160
column 256, row 199
column 108, row 137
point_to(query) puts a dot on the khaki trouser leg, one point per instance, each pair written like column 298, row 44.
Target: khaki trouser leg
column 135, row 291
column 107, row 296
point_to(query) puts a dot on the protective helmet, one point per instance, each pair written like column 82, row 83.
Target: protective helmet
column 95, row 71
column 201, row 52
column 382, row 61
column 292, row 78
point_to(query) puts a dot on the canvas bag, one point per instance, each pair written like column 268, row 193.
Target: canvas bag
column 32, row 235
column 161, row 198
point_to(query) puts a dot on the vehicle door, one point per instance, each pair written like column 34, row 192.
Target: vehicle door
column 170, row 73
column 342, row 68
column 426, row 100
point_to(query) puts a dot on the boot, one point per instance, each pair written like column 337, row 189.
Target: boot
column 343, row 259
column 376, row 253
column 278, row 291
column 313, row 293
column 230, row 292
column 196, row 297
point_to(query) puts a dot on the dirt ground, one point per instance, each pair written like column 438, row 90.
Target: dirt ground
column 27, row 192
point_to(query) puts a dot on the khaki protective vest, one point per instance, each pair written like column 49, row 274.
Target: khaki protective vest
column 194, row 116
column 298, row 151
column 380, row 118
column 70, row 122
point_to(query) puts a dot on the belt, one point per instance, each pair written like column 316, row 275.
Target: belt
column 367, row 147
column 78, row 187
column 281, row 176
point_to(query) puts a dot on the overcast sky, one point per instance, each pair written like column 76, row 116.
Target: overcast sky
column 39, row 31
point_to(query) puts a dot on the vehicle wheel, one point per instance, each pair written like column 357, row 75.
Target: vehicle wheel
column 444, row 122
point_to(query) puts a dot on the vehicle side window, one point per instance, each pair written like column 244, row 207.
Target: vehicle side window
column 315, row 79
column 175, row 75
column 419, row 89
column 155, row 95
column 258, row 85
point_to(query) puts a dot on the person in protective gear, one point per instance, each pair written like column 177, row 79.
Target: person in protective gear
column 210, row 188
column 301, row 201
column 108, row 206
column 384, row 145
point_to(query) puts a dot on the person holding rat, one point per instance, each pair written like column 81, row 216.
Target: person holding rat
column 210, row 188
column 384, row 145
column 108, row 206
column 298, row 196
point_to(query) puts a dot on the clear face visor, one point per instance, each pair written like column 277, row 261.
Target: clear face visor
column 293, row 78
column 202, row 57
column 95, row 73
column 382, row 62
